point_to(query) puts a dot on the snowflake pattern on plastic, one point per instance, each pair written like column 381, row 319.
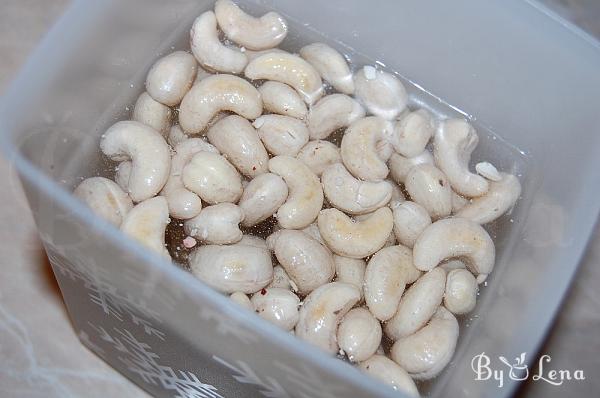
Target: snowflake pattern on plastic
column 268, row 387
column 140, row 359
column 103, row 293
column 227, row 326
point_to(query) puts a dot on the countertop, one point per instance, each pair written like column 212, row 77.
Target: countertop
column 42, row 357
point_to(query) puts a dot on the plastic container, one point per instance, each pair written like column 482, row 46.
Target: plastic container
column 522, row 76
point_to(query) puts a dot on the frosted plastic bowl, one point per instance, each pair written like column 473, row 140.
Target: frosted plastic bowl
column 525, row 78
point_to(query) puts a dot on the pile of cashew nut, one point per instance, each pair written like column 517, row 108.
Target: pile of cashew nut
column 230, row 137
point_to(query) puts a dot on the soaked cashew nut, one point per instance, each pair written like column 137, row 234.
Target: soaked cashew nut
column 252, row 54
column 355, row 239
column 237, row 140
column 498, row 200
column 148, row 151
column 455, row 237
column 253, row 33
column 282, row 280
column 278, row 306
column 313, row 231
column 171, row 77
column 331, row 113
column 289, row 69
column 410, row 219
column 387, row 274
column 359, row 334
column 331, row 65
column 425, row 353
column 350, row 270
column 152, row 113
column 308, row 263
column 147, row 222
column 282, row 99
column 428, row 186
column 381, row 92
column 242, row 299
column 322, row 311
column 213, row 178
column 460, row 296
column 208, row 49
column 176, row 135
column 305, row 198
column 282, row 135
column 365, row 150
column 351, row 195
column 412, row 133
column 122, row 174
column 389, row 372
column 262, row 197
column 217, row 224
column 105, row 198
column 454, row 141
column 242, row 267
column 183, row 203
column 418, row 304
column 400, row 165
column 214, row 94
column 318, row 155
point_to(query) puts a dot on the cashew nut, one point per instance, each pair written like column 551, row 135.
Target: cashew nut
column 282, row 280
column 152, row 113
column 428, row 186
column 147, row 222
column 381, row 92
column 400, row 165
column 322, row 311
column 331, row 113
column 244, row 266
column 148, row 151
column 331, row 65
column 253, row 33
column 208, row 49
column 418, row 304
column 242, row 299
column 218, row 93
column 278, row 306
column 290, row 69
column 453, row 144
column 365, row 150
column 308, row 263
column 499, row 199
column 122, row 174
column 319, row 154
column 460, row 296
column 412, row 133
column 282, row 99
column 184, row 204
column 351, row 195
column 359, row 334
column 350, row 270
column 252, row 54
column 455, row 237
column 387, row 274
column 237, row 140
column 305, row 198
column 425, row 353
column 213, row 178
column 313, row 231
column 410, row 219
column 176, row 135
column 217, row 224
column 389, row 372
column 105, row 198
column 487, row 170
column 262, row 197
column 282, row 135
column 355, row 239
column 171, row 77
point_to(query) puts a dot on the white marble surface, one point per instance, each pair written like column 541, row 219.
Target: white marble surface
column 40, row 353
